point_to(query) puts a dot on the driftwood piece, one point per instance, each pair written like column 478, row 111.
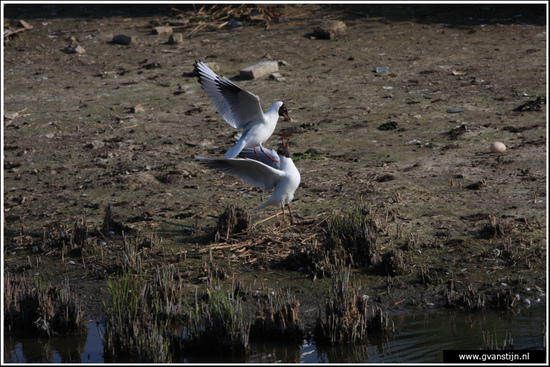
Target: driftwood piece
column 11, row 30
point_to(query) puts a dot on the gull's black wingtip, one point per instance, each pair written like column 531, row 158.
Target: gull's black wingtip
column 196, row 69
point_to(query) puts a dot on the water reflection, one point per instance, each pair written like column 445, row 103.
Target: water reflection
column 21, row 348
column 419, row 337
column 272, row 353
column 344, row 354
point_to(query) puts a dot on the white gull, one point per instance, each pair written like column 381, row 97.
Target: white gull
column 282, row 177
column 241, row 109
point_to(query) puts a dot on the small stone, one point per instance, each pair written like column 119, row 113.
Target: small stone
column 259, row 70
column 330, row 29
column 122, row 39
column 77, row 49
column 137, row 109
column 72, row 40
column 455, row 109
column 234, row 24
column 163, row 30
column 95, row 144
column 180, row 89
column 175, row 39
column 277, row 76
column 498, row 147
column 10, row 115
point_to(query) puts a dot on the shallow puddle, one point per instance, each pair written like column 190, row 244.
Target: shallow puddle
column 419, row 337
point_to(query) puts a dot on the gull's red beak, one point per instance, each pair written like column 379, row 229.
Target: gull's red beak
column 284, row 112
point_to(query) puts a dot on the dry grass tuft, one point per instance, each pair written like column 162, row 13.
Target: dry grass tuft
column 267, row 245
column 218, row 326
column 497, row 228
column 345, row 312
column 277, row 320
column 233, row 221
column 41, row 307
column 347, row 316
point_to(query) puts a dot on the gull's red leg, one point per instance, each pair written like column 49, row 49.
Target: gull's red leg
column 290, row 213
column 268, row 156
column 257, row 153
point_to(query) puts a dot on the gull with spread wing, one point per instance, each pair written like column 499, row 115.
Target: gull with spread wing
column 282, row 177
column 241, row 109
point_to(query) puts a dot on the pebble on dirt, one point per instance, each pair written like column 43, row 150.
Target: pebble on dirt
column 259, row 70
column 330, row 29
column 95, row 144
column 175, row 39
column 498, row 147
column 277, row 76
column 162, row 30
column 122, row 39
column 455, row 109
column 72, row 40
column 75, row 49
column 10, row 115
column 234, row 24
column 137, row 109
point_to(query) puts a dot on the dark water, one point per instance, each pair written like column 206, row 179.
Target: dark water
column 419, row 337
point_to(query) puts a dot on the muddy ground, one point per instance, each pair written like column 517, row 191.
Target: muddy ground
column 469, row 222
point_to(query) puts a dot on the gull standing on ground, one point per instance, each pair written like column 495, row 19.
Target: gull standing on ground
column 282, row 177
column 241, row 109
